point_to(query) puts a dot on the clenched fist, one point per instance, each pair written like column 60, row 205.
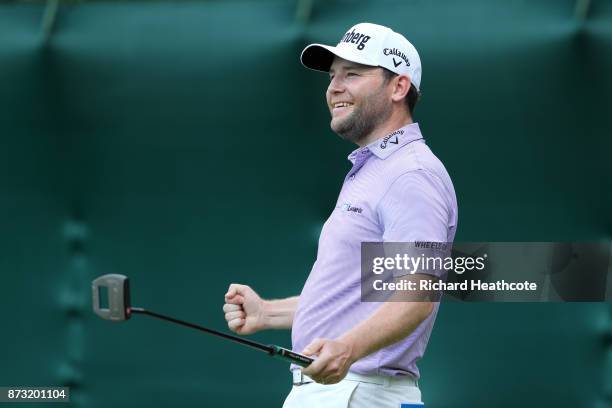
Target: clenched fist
column 243, row 309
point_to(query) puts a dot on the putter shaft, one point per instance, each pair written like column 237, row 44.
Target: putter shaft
column 246, row 342
column 119, row 309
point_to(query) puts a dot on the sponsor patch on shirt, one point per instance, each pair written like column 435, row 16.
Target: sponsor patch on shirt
column 348, row 207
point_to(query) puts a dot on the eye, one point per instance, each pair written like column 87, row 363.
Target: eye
column 350, row 74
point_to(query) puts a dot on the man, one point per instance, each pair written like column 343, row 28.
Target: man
column 396, row 191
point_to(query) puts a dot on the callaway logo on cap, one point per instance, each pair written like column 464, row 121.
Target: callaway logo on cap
column 368, row 44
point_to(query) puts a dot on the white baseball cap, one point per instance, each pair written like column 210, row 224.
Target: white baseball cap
column 368, row 44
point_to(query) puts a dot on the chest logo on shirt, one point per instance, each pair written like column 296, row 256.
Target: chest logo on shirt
column 350, row 208
column 383, row 144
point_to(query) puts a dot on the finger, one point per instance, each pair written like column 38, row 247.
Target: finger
column 236, row 323
column 230, row 292
column 315, row 369
column 230, row 307
column 236, row 300
column 234, row 289
column 314, row 347
column 234, row 315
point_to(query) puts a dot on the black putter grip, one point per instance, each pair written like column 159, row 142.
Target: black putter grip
column 291, row 356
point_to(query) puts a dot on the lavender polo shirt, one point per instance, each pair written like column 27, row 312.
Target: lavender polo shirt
column 397, row 191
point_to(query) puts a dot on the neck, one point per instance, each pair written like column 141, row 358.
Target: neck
column 396, row 121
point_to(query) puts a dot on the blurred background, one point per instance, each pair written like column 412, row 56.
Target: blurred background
column 182, row 144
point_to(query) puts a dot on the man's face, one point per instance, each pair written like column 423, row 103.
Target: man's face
column 358, row 99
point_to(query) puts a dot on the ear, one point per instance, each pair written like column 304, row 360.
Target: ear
column 401, row 86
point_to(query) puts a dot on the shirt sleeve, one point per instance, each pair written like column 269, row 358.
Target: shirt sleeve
column 414, row 209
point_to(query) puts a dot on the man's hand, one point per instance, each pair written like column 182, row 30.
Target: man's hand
column 334, row 361
column 244, row 309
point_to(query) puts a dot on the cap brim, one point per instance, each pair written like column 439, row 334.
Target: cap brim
column 320, row 57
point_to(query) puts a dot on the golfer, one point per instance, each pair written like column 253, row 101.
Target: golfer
column 396, row 191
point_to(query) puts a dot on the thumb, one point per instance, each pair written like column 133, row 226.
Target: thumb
column 314, row 347
column 233, row 290
column 236, row 300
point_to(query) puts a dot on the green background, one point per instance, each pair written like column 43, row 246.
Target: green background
column 182, row 144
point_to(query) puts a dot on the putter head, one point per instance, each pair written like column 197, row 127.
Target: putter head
column 111, row 290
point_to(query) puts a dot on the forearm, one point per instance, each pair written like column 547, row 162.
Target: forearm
column 278, row 314
column 392, row 322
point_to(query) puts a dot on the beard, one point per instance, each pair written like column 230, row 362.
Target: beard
column 363, row 119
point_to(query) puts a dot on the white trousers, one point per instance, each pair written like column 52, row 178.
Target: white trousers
column 356, row 392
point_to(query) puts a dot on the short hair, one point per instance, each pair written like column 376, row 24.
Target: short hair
column 413, row 94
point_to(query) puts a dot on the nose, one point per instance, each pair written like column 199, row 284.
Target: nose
column 335, row 85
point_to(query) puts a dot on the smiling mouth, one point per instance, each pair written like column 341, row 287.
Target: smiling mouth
column 340, row 106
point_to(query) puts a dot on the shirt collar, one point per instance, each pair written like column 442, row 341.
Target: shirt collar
column 388, row 144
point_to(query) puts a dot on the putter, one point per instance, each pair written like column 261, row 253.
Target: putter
column 117, row 308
